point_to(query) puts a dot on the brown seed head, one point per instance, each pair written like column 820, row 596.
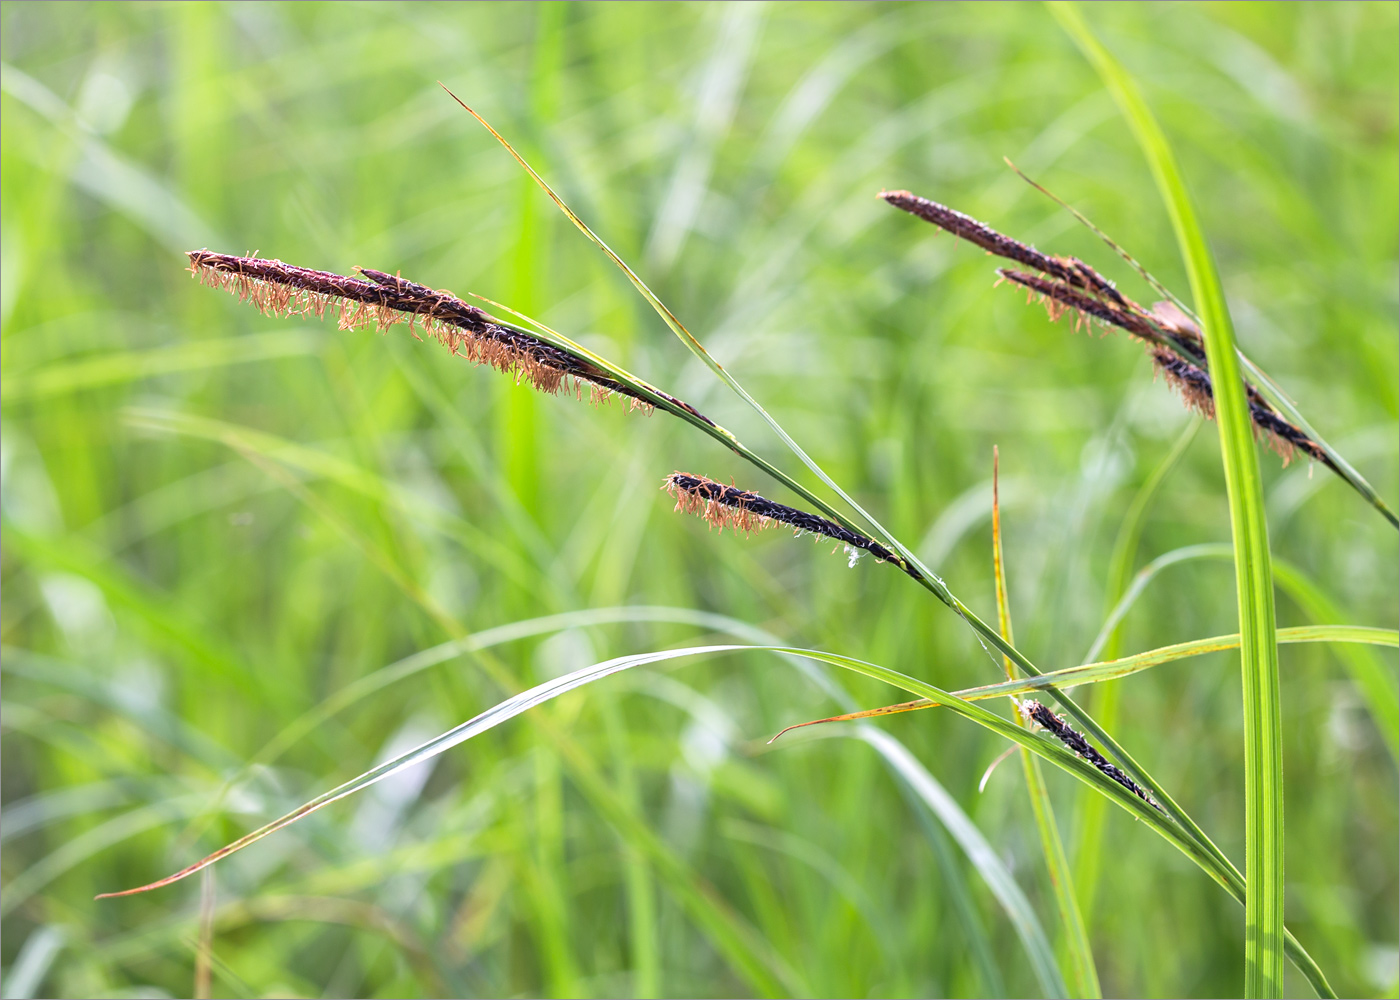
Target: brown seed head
column 728, row 506
column 280, row 289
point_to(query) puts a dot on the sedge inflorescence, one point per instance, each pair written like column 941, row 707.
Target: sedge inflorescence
column 730, row 507
column 1075, row 740
column 1068, row 285
column 380, row 300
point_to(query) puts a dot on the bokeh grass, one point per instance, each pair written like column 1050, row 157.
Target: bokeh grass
column 173, row 603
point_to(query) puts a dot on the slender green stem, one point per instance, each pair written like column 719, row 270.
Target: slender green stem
column 1093, row 808
column 1075, row 940
column 1263, row 751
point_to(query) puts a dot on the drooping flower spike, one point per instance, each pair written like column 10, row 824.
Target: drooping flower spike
column 1067, row 284
column 280, row 289
column 730, row 507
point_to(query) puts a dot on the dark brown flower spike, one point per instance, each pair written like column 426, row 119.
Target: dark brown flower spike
column 1174, row 341
column 1182, row 337
column 730, row 507
column 1191, row 382
column 1060, row 298
column 1082, row 748
column 1073, row 283
column 967, row 228
column 1198, row 394
column 280, row 289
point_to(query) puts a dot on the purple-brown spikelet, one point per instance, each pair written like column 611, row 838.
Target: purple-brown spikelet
column 1067, row 269
column 1197, row 392
column 730, row 507
column 1082, row 748
column 280, row 289
column 967, row 228
column 1059, row 297
column 1191, row 382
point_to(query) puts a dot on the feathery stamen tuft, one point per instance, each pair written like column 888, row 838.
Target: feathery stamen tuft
column 1058, row 297
column 1197, row 392
column 1191, row 382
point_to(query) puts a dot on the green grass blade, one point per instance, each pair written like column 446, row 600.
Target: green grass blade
column 1224, row 874
column 1263, row 732
column 1075, row 939
column 768, row 980
column 414, row 664
column 1093, row 810
column 1112, row 670
column 1376, row 684
column 979, row 853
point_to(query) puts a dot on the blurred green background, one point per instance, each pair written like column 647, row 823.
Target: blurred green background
column 215, row 521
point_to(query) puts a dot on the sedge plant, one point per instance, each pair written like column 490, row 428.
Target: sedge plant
column 1193, row 351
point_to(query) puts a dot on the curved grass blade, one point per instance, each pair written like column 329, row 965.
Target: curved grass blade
column 1263, row 727
column 979, row 852
column 1093, row 810
column 1225, row 874
column 1075, row 939
column 921, row 784
column 1375, row 684
column 1112, row 670
column 445, row 652
column 489, row 719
